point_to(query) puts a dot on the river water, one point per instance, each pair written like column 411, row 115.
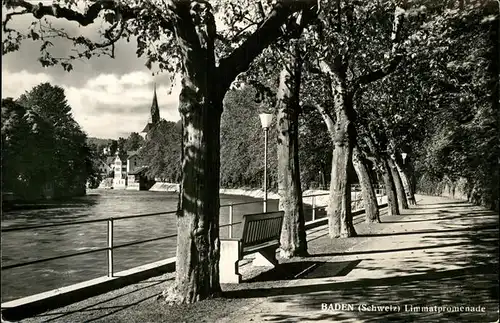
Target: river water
column 30, row 245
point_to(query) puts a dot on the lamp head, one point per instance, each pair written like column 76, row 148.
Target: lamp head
column 266, row 119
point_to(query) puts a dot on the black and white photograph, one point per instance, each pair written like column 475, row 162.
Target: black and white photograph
column 237, row 161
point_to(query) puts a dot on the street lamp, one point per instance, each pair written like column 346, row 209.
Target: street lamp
column 265, row 120
column 404, row 156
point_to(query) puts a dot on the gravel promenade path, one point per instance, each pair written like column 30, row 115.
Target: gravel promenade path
column 437, row 262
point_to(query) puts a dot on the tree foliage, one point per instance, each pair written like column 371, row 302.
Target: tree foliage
column 439, row 106
column 43, row 147
column 133, row 142
column 463, row 137
column 242, row 142
column 162, row 152
column 315, row 149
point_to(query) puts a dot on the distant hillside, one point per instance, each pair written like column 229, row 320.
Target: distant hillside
column 98, row 141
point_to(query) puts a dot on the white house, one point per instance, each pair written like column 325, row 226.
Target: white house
column 120, row 173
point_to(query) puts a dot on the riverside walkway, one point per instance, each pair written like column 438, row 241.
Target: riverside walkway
column 436, row 262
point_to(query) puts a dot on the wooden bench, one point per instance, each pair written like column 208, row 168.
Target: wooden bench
column 261, row 235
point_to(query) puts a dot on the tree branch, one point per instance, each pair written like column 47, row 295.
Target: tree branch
column 327, row 117
column 268, row 31
column 115, row 12
column 84, row 19
column 395, row 55
column 9, row 16
column 380, row 73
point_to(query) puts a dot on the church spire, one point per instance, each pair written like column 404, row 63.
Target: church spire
column 155, row 111
column 154, row 116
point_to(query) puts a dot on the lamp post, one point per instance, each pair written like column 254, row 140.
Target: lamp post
column 322, row 179
column 265, row 120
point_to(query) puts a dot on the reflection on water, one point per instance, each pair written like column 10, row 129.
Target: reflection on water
column 22, row 246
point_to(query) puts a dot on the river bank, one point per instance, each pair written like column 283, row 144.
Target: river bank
column 158, row 220
column 104, row 204
column 320, row 199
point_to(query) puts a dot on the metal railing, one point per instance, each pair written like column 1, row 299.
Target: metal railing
column 110, row 236
column 110, row 245
column 110, row 230
column 379, row 192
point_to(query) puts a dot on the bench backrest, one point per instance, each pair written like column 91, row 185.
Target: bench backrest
column 261, row 227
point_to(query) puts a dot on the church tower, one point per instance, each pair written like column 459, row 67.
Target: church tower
column 155, row 111
column 154, row 116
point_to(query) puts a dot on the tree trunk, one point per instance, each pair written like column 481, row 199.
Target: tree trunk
column 400, row 192
column 339, row 206
column 390, row 189
column 197, row 266
column 369, row 198
column 200, row 107
column 410, row 175
column 405, row 179
column 293, row 235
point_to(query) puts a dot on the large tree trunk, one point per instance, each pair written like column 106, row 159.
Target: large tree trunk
column 293, row 235
column 197, row 266
column 402, row 201
column 339, row 206
column 200, row 107
column 390, row 189
column 369, row 198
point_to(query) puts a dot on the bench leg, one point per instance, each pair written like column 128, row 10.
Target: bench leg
column 228, row 264
column 266, row 257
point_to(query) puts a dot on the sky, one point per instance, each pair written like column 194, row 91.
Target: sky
column 110, row 98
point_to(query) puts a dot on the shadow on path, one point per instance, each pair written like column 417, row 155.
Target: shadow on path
column 306, row 269
column 452, row 288
column 364, row 252
column 447, row 264
column 394, row 282
column 443, row 218
column 477, row 228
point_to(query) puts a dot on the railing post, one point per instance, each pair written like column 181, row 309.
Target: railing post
column 110, row 247
column 230, row 233
column 313, row 208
